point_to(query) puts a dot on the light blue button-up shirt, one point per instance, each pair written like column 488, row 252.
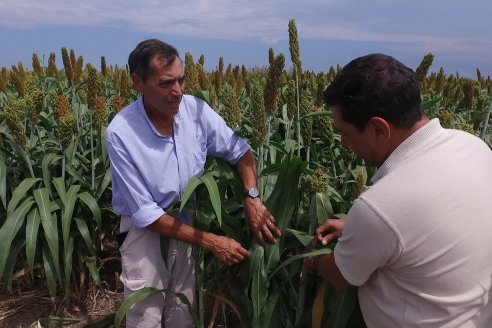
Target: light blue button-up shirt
column 150, row 171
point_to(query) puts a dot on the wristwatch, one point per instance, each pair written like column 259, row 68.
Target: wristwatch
column 252, row 193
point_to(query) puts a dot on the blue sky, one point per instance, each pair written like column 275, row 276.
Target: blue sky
column 330, row 32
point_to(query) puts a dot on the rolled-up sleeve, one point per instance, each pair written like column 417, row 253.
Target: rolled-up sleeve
column 129, row 189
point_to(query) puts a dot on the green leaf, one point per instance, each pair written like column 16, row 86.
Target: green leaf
column 271, row 169
column 340, row 306
column 84, row 232
column 67, row 213
column 104, row 183
column 322, row 208
column 430, row 103
column 90, row 262
column 269, row 308
column 213, row 192
column 21, row 153
column 259, row 292
column 58, row 320
column 32, row 228
column 68, row 263
column 20, row 192
column 142, row 294
column 203, row 95
column 76, row 175
column 232, row 227
column 93, row 206
column 3, row 181
column 190, row 188
column 136, row 297
column 49, row 268
column 50, row 226
column 48, row 159
column 321, row 251
column 304, row 238
column 10, row 228
column 335, row 194
column 9, row 267
column 60, row 188
column 282, row 204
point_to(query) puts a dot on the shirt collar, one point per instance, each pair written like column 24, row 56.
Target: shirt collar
column 415, row 142
column 177, row 117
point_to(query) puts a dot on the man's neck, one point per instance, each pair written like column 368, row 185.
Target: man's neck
column 162, row 123
column 400, row 135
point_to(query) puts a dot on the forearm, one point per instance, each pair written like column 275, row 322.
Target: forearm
column 171, row 227
column 246, row 168
column 327, row 268
column 261, row 220
column 224, row 248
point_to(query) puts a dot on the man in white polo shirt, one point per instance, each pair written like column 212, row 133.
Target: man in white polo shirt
column 156, row 144
column 417, row 242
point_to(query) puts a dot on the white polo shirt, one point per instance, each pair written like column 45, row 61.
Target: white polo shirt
column 418, row 242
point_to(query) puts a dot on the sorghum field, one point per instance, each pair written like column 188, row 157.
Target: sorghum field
column 59, row 262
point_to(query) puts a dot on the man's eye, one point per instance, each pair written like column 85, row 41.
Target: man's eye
column 170, row 83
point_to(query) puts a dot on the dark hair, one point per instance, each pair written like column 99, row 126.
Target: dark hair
column 376, row 85
column 140, row 58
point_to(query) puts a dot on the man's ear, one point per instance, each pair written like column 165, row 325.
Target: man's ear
column 381, row 128
column 137, row 82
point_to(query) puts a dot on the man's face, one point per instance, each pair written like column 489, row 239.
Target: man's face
column 363, row 143
column 163, row 89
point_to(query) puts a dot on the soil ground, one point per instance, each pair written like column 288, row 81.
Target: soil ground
column 37, row 309
column 30, row 305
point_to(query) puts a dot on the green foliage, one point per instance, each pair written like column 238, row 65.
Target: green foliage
column 55, row 188
column 54, row 185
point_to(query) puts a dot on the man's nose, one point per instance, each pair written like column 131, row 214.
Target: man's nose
column 178, row 87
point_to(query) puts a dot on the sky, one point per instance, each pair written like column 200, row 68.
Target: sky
column 330, row 32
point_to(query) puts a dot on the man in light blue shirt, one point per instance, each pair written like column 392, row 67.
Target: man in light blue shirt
column 156, row 144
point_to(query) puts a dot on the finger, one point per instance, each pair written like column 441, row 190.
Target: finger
column 270, row 217
column 259, row 236
column 239, row 258
column 328, row 238
column 240, row 254
column 268, row 234
column 323, row 229
column 244, row 252
column 327, row 225
column 274, row 229
column 237, row 255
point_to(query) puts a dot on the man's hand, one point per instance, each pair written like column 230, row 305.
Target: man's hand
column 261, row 220
column 228, row 250
column 330, row 230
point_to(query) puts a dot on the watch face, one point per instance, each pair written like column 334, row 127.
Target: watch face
column 253, row 192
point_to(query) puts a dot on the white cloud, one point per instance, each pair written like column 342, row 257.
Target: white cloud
column 263, row 20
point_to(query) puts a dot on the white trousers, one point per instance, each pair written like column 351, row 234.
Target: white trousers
column 143, row 266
